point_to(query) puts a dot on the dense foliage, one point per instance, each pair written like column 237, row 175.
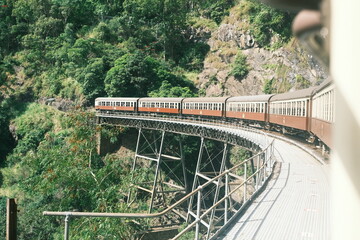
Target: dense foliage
column 239, row 68
column 60, row 170
column 270, row 27
column 80, row 50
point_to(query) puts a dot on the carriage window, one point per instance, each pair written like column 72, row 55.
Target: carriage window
column 303, row 109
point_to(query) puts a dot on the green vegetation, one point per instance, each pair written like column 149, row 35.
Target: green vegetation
column 80, row 50
column 302, row 82
column 271, row 28
column 3, row 219
column 239, row 68
column 60, row 170
column 269, row 86
column 280, row 83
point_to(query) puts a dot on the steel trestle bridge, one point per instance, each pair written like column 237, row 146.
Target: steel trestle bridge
column 220, row 191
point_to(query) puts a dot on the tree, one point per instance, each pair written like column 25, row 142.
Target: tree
column 131, row 76
column 92, row 79
column 167, row 90
column 240, row 68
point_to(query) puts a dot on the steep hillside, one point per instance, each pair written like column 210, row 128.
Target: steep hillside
column 279, row 66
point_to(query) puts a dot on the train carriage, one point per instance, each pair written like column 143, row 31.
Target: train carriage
column 248, row 108
column 206, row 106
column 304, row 112
column 160, row 105
column 323, row 112
column 291, row 110
column 116, row 104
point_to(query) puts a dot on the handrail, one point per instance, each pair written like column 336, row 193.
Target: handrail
column 184, row 118
column 198, row 190
column 159, row 214
column 199, row 218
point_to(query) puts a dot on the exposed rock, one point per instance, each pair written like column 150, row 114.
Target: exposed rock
column 12, row 130
column 60, row 104
column 287, row 65
column 228, row 32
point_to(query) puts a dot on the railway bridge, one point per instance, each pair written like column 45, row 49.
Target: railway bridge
column 280, row 192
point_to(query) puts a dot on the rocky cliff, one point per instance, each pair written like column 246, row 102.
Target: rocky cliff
column 282, row 69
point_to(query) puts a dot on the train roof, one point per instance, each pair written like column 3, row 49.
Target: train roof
column 147, row 99
column 323, row 85
column 207, row 99
column 129, row 99
column 254, row 98
column 304, row 93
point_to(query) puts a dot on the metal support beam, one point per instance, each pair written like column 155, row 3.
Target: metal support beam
column 198, row 215
column 182, row 159
column 134, row 163
column 157, row 170
column 67, row 223
column 245, row 185
column 216, row 197
column 197, row 170
column 11, row 219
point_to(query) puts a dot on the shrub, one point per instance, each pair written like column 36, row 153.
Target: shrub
column 240, row 68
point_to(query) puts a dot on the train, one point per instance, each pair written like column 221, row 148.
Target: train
column 309, row 113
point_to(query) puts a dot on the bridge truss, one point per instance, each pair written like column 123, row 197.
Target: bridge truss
column 220, row 189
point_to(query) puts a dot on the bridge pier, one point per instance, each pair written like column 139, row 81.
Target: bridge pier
column 105, row 145
column 152, row 158
column 206, row 169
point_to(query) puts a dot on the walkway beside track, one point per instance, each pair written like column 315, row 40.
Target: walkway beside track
column 295, row 205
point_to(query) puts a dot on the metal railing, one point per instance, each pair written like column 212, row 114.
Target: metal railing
column 264, row 165
column 230, row 206
column 249, row 132
column 230, row 201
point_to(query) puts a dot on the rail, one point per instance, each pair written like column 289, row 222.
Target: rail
column 229, row 132
column 206, row 221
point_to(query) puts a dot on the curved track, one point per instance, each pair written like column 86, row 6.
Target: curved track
column 295, row 203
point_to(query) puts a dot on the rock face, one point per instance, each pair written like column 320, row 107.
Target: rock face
column 60, row 104
column 229, row 33
column 289, row 67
